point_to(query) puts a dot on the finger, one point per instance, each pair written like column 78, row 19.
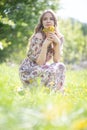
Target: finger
column 50, row 36
column 50, row 39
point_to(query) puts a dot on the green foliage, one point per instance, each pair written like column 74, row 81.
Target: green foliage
column 41, row 109
column 17, row 21
column 84, row 29
column 75, row 41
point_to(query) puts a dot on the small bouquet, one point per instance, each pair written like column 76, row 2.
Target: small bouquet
column 49, row 29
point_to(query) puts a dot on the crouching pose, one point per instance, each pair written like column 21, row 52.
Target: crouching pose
column 45, row 44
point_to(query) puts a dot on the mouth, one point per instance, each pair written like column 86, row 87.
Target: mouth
column 48, row 25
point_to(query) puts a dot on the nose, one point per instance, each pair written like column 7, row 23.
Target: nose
column 48, row 20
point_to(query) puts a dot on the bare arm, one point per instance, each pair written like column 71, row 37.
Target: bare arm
column 56, row 56
column 58, row 49
column 56, row 46
column 42, row 56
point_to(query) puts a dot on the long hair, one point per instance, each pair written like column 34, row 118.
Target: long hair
column 39, row 27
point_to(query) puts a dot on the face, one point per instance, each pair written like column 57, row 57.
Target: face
column 48, row 20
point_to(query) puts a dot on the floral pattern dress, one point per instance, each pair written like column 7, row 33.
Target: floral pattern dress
column 51, row 75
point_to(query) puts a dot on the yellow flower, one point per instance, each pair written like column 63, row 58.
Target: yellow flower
column 51, row 83
column 30, row 80
column 49, row 29
column 80, row 124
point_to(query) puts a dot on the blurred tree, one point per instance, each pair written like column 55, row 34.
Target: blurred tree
column 75, row 42
column 84, row 28
column 17, row 20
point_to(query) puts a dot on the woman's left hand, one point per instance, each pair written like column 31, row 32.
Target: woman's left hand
column 54, row 38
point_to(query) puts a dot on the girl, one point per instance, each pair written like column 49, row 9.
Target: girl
column 44, row 45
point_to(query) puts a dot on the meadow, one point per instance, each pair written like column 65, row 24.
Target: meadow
column 40, row 108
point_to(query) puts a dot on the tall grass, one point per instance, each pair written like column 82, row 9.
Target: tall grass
column 40, row 109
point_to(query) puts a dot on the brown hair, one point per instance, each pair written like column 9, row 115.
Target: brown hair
column 39, row 27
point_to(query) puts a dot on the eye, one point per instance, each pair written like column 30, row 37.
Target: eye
column 51, row 18
column 44, row 18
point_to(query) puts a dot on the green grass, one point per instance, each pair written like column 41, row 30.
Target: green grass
column 40, row 109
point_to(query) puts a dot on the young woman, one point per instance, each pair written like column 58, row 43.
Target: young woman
column 45, row 44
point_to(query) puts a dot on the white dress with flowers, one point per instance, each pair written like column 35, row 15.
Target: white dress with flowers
column 52, row 75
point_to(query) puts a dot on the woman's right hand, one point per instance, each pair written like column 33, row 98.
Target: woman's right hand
column 42, row 56
column 47, row 41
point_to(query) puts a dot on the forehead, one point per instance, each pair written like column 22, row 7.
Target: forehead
column 47, row 15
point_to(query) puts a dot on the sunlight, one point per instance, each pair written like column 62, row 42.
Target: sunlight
column 74, row 8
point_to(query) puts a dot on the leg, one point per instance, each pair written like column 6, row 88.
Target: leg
column 60, row 76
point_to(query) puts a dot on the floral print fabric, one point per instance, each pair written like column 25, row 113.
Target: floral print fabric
column 52, row 75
